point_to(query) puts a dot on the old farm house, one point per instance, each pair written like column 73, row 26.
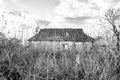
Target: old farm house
column 61, row 39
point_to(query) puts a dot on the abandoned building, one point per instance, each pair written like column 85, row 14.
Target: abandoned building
column 61, row 39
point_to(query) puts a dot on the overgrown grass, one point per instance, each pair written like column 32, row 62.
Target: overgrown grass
column 20, row 62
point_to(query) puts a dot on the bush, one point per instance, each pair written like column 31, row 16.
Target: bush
column 20, row 62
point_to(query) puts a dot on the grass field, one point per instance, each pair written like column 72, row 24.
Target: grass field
column 18, row 62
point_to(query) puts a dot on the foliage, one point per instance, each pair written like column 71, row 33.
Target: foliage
column 18, row 62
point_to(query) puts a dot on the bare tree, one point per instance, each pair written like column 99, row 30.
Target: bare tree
column 113, row 16
column 37, row 29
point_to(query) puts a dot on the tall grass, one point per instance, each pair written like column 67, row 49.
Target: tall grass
column 20, row 62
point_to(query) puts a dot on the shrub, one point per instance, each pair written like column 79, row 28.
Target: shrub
column 28, row 62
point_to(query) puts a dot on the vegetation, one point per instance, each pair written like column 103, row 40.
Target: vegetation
column 18, row 62
column 113, row 17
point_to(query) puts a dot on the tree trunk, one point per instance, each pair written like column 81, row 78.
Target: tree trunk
column 117, row 36
column 118, row 48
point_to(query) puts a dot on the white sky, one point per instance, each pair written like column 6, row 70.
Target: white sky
column 65, row 13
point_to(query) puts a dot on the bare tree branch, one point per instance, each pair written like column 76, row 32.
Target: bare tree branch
column 112, row 16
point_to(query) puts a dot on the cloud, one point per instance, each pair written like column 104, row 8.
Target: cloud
column 77, row 10
column 4, row 3
column 55, row 19
column 14, row 1
column 43, row 22
column 9, row 1
column 117, row 5
column 1, row 4
column 70, row 8
column 84, row 1
column 85, row 13
column 78, row 20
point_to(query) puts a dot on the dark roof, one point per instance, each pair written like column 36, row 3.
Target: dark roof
column 59, row 34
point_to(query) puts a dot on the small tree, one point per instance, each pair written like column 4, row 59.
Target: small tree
column 113, row 16
column 37, row 29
